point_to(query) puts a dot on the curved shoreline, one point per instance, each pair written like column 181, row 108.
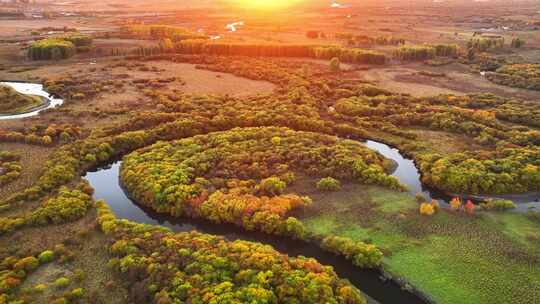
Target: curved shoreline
column 382, row 286
column 521, row 199
column 33, row 89
column 147, row 215
column 45, row 104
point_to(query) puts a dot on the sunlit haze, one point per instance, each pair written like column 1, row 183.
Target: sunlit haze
column 266, row 5
column 270, row 151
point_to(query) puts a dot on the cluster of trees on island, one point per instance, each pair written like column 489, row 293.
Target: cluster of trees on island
column 239, row 177
column 478, row 117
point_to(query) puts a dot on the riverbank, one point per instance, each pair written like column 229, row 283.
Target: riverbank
column 416, row 248
column 33, row 90
column 376, row 285
column 408, row 174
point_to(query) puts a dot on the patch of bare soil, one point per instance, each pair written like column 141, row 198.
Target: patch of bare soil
column 88, row 270
column 33, row 158
column 202, row 81
column 352, row 200
column 422, row 80
column 446, row 142
column 28, row 241
column 406, row 81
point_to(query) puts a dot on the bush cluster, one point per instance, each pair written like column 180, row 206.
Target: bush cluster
column 361, row 254
column 328, row 184
column 181, row 177
column 498, row 205
column 42, row 135
column 485, row 44
column 68, row 206
column 526, row 76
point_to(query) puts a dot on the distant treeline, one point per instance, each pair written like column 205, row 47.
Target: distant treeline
column 424, row 52
column 485, row 44
column 199, row 46
column 349, row 55
column 174, row 33
column 364, row 39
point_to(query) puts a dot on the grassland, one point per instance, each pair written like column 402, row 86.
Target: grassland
column 453, row 257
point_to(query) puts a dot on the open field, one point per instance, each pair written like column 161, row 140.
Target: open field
column 352, row 133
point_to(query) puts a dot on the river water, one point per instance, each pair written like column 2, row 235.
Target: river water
column 35, row 89
column 107, row 186
column 409, row 175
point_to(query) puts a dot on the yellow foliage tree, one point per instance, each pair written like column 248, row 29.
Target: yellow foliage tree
column 455, row 204
column 427, row 209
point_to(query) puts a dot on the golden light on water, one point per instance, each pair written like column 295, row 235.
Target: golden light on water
column 266, row 4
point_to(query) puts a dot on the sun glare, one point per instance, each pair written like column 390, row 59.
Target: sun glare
column 266, row 5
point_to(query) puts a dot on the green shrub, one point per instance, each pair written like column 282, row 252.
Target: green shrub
column 76, row 293
column 91, row 158
column 68, row 206
column 272, row 186
column 40, row 288
column 46, row 256
column 361, row 254
column 498, row 205
column 328, row 184
column 62, row 282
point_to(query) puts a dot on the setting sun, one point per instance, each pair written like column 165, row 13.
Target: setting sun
column 266, row 5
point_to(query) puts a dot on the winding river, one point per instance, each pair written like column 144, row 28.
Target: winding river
column 106, row 183
column 409, row 175
column 35, row 89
